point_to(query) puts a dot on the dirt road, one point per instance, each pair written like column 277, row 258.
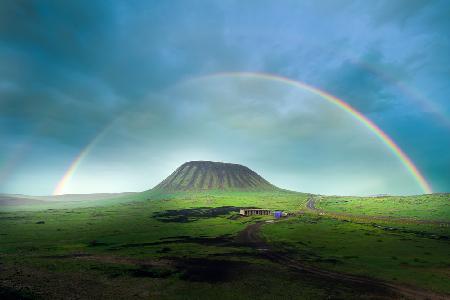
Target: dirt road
column 367, row 286
column 311, row 204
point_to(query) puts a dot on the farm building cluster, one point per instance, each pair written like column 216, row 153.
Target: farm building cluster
column 261, row 212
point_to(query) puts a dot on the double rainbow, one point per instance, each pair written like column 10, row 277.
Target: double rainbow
column 381, row 135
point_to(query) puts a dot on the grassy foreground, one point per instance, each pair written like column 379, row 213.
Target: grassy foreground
column 182, row 245
column 424, row 207
column 413, row 255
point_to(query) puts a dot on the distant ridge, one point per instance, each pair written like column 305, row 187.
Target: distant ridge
column 18, row 199
column 209, row 175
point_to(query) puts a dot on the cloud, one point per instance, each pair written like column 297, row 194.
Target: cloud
column 360, row 83
column 48, row 52
column 67, row 70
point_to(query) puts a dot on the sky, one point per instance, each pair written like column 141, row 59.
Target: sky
column 112, row 96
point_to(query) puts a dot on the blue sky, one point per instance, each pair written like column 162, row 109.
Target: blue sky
column 70, row 69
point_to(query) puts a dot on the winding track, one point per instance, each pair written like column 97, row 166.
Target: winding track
column 311, row 204
column 251, row 237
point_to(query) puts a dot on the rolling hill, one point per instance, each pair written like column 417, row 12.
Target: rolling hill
column 18, row 199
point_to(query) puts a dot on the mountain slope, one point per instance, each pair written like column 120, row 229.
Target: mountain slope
column 208, row 175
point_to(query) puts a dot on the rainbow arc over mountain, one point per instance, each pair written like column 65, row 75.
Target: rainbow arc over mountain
column 380, row 134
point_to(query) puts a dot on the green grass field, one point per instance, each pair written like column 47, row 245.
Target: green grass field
column 128, row 222
column 400, row 254
column 181, row 245
column 425, row 207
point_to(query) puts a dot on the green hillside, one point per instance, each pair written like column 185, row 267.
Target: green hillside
column 427, row 207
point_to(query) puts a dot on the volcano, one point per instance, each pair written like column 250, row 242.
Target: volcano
column 209, row 175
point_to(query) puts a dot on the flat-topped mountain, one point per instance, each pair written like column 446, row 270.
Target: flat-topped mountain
column 209, row 175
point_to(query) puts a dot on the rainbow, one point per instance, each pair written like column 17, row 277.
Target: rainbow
column 59, row 189
column 70, row 171
column 381, row 135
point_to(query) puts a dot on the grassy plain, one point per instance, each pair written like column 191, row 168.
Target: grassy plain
column 417, row 255
column 151, row 240
column 425, row 207
column 182, row 245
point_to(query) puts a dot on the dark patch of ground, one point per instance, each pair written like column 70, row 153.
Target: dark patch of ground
column 211, row 241
column 422, row 234
column 7, row 293
column 7, row 218
column 20, row 282
column 193, row 214
column 63, row 256
column 164, row 250
column 95, row 243
column 146, row 271
column 209, row 270
column 362, row 286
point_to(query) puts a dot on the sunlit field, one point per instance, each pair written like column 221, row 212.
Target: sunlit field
column 427, row 207
column 163, row 245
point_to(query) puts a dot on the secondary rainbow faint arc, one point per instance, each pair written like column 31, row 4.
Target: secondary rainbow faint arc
column 408, row 91
column 381, row 135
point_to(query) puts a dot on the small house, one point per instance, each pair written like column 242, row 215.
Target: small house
column 255, row 211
